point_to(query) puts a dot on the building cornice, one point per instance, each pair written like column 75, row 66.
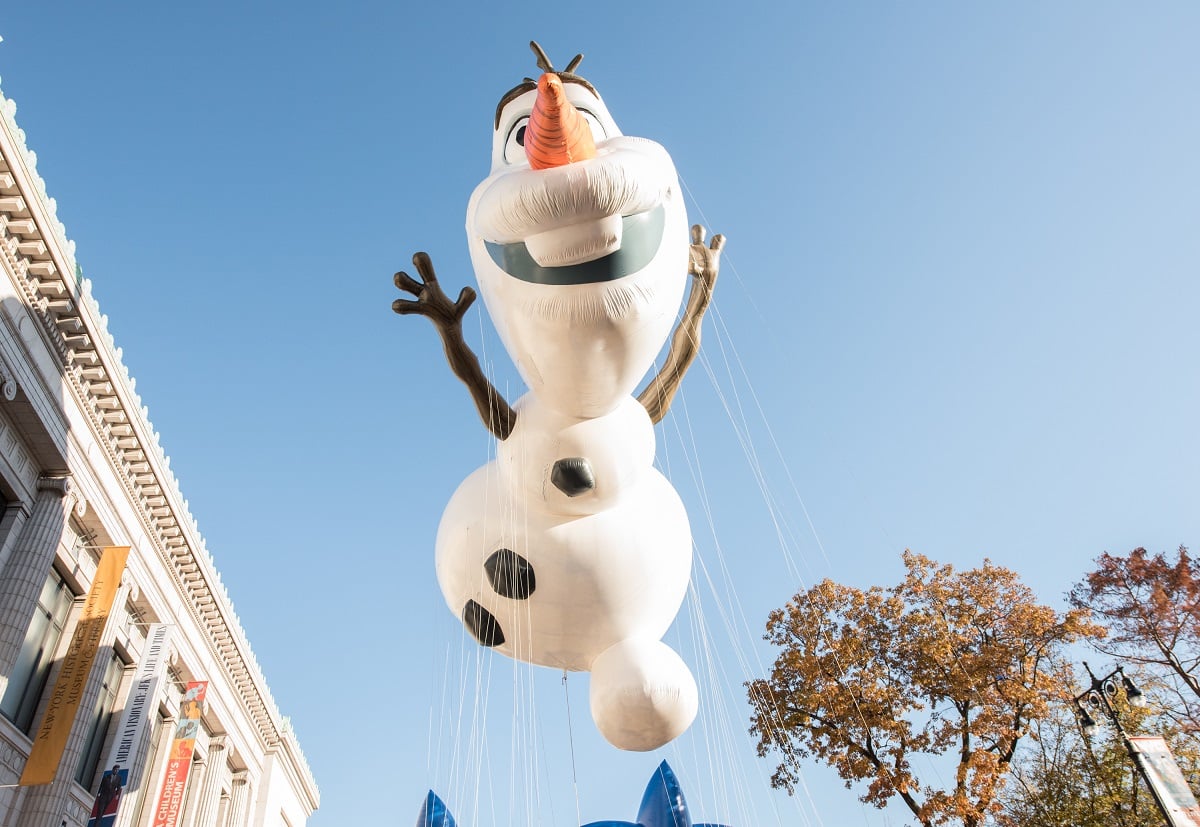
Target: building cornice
column 35, row 245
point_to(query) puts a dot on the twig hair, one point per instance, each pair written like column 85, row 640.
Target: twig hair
column 543, row 62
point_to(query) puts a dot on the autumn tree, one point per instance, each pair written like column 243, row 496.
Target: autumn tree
column 1151, row 607
column 950, row 665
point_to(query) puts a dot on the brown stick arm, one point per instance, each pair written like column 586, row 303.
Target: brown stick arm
column 496, row 413
column 704, row 262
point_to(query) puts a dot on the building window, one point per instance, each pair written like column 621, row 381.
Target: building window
column 98, row 721
column 28, row 677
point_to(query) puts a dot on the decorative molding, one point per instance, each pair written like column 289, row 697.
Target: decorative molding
column 78, row 810
column 8, row 383
column 12, row 755
column 15, row 453
column 65, row 488
column 129, row 582
column 23, row 507
column 60, row 485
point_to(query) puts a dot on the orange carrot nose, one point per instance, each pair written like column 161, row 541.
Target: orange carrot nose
column 557, row 133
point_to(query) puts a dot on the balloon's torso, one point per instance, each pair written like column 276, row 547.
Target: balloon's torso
column 608, row 564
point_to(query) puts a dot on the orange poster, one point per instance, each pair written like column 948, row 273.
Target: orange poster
column 170, row 798
column 77, row 665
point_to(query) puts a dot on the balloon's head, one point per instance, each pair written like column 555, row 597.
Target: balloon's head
column 579, row 241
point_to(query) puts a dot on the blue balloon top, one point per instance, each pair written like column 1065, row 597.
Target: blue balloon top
column 434, row 813
column 663, row 805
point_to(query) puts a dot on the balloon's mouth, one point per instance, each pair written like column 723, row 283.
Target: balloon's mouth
column 641, row 236
column 585, row 222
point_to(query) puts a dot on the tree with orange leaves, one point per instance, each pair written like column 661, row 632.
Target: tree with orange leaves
column 947, row 666
column 1151, row 607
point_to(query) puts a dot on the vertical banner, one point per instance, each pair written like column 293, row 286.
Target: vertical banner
column 1167, row 779
column 132, row 728
column 77, row 665
column 170, row 799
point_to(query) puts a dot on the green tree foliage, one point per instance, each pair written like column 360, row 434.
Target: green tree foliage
column 1150, row 605
column 1062, row 778
column 954, row 665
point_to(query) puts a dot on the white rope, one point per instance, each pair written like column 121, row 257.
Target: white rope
column 571, row 741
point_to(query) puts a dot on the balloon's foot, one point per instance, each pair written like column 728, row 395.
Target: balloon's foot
column 642, row 695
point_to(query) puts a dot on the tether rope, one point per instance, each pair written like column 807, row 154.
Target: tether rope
column 571, row 741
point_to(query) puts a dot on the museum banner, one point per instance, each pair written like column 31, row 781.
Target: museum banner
column 64, row 701
column 170, row 798
column 1166, row 779
column 132, row 729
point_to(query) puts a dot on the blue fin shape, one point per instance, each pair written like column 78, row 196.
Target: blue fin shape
column 663, row 804
column 434, row 813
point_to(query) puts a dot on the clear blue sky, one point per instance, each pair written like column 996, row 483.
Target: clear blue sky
column 958, row 313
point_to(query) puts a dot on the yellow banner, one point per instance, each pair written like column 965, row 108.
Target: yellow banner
column 77, row 665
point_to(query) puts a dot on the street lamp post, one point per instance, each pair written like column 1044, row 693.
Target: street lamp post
column 1100, row 696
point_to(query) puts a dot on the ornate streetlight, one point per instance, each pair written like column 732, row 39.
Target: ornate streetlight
column 1099, row 697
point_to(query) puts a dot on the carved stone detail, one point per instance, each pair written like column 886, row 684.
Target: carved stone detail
column 60, row 485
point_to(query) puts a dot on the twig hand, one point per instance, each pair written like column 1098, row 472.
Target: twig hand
column 704, row 262
column 430, row 300
column 446, row 315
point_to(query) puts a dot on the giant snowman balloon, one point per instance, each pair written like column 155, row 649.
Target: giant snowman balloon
column 571, row 550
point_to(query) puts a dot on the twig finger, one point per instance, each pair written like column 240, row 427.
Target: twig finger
column 407, row 283
column 424, row 267
column 405, row 307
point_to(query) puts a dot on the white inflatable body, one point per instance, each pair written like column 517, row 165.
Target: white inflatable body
column 571, row 550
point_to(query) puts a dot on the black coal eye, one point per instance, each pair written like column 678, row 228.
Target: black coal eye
column 521, row 136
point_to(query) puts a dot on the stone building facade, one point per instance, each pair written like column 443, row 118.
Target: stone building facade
column 81, row 468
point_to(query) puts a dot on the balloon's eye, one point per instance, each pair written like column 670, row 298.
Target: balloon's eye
column 514, row 145
column 598, row 133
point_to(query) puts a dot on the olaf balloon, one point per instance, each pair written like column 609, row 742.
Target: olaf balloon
column 571, row 550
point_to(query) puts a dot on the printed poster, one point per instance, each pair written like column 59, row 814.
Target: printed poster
column 170, row 798
column 132, row 729
column 108, row 798
column 77, row 665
